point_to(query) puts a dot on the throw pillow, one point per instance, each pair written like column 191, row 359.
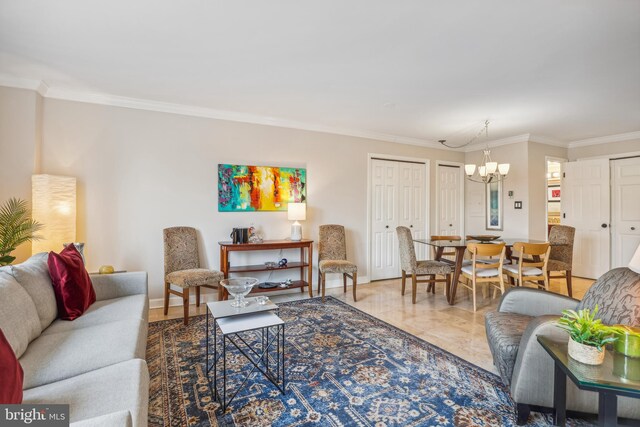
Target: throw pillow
column 11, row 374
column 71, row 283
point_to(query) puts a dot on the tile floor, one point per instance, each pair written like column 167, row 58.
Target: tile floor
column 456, row 328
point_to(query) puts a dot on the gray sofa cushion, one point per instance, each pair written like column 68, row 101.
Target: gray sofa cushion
column 120, row 387
column 504, row 331
column 33, row 276
column 18, row 315
column 617, row 293
column 100, row 312
column 53, row 357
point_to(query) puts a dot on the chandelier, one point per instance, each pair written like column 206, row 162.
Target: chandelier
column 488, row 170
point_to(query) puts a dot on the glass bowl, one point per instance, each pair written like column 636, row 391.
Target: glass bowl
column 238, row 287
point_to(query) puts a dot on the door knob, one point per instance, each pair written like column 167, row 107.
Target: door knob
column 411, row 226
column 386, row 226
column 450, row 225
column 604, row 226
column 633, row 228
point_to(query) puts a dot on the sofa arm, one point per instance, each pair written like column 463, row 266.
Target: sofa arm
column 117, row 285
column 534, row 302
column 533, row 373
column 120, row 419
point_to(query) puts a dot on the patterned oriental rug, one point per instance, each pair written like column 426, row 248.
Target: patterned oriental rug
column 344, row 368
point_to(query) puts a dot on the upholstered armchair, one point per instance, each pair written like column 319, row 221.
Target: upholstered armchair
column 525, row 313
column 332, row 258
column 561, row 257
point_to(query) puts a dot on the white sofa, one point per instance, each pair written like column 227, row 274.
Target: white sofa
column 95, row 363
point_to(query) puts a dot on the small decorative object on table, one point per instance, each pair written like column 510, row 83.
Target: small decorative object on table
column 262, row 300
column 106, row 269
column 628, row 342
column 283, row 262
column 271, row 264
column 238, row 287
column 588, row 336
column 483, row 237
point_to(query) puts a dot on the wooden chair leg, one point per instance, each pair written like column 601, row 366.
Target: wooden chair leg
column 166, row 298
column 322, row 280
column 473, row 291
column 344, row 282
column 198, row 296
column 447, row 284
column 404, row 280
column 354, row 278
column 185, row 305
column 414, row 287
column 568, row 276
column 319, row 279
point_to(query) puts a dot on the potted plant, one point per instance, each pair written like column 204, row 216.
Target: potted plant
column 588, row 336
column 16, row 227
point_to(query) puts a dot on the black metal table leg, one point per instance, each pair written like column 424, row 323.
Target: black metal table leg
column 607, row 409
column 559, row 397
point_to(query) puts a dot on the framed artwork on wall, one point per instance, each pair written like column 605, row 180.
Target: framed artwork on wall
column 243, row 188
column 553, row 193
column 494, row 205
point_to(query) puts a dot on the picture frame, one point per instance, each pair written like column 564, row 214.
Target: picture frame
column 493, row 205
column 553, row 193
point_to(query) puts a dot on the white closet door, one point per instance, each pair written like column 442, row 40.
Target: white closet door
column 585, row 206
column 412, row 203
column 625, row 210
column 398, row 198
column 449, row 201
column 384, row 217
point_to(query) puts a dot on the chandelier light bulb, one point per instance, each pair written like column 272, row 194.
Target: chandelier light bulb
column 503, row 168
column 482, row 170
column 492, row 167
column 470, row 169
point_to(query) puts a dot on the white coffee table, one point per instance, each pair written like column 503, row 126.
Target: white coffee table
column 235, row 325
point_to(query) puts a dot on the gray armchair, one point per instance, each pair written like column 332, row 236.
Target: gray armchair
column 525, row 313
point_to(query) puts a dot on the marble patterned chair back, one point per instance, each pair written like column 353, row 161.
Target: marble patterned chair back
column 563, row 236
column 408, row 260
column 332, row 244
column 617, row 294
column 180, row 249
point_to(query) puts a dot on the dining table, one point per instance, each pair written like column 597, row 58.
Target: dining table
column 460, row 246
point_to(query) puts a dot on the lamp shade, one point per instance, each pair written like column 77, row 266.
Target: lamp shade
column 469, row 169
column 297, row 211
column 634, row 264
column 53, row 206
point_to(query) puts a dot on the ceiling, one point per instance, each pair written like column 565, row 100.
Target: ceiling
column 413, row 69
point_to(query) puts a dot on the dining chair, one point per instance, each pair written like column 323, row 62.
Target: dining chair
column 332, row 257
column 411, row 266
column 531, row 266
column 182, row 267
column 487, row 260
column 561, row 256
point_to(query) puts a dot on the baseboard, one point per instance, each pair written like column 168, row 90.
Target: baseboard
column 208, row 295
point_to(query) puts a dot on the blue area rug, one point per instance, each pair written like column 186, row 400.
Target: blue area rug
column 344, row 368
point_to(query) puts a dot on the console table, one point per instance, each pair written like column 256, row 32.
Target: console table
column 305, row 262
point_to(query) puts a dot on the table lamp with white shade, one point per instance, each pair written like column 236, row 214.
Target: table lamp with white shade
column 296, row 212
column 634, row 264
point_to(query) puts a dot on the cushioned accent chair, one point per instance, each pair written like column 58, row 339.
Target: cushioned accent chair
column 561, row 256
column 414, row 268
column 525, row 313
column 182, row 267
column 332, row 257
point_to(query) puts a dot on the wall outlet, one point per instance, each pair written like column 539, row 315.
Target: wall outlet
column 510, row 193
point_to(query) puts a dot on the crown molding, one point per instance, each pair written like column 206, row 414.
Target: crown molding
column 193, row 111
column 497, row 143
column 548, row 141
column 605, row 139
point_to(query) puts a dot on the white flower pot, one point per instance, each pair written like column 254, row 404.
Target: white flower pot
column 585, row 353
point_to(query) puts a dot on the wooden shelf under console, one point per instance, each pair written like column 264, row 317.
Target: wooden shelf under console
column 306, row 260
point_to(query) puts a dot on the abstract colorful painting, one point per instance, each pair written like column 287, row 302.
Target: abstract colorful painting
column 259, row 188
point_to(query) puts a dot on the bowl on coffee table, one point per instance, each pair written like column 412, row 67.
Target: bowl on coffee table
column 239, row 287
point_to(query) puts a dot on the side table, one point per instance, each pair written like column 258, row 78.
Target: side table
column 264, row 350
column 600, row 379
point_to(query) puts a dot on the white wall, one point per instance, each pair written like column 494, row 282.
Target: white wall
column 526, row 179
column 607, row 148
column 19, row 147
column 139, row 172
